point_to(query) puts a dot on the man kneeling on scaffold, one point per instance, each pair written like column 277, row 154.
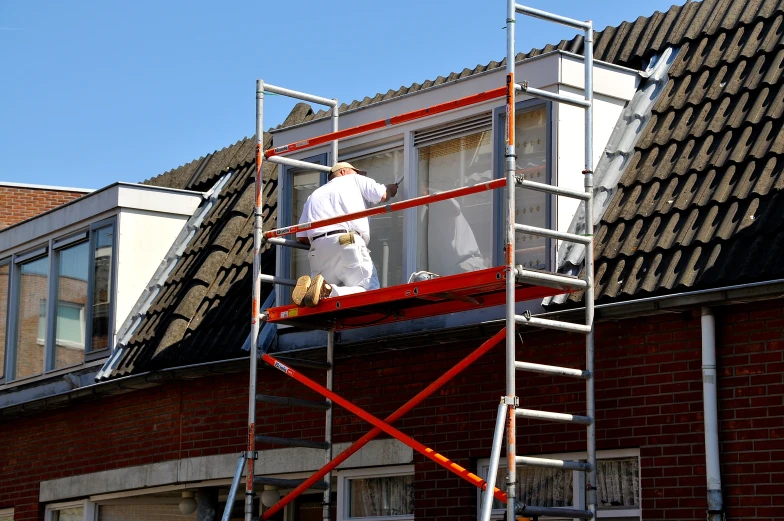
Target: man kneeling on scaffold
column 338, row 253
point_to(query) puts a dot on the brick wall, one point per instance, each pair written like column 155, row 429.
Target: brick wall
column 649, row 396
column 18, row 204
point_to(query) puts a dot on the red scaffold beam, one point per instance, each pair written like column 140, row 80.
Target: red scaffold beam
column 376, row 422
column 405, row 408
column 389, row 122
column 391, row 207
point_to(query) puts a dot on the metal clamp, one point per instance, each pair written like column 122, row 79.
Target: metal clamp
column 511, row 401
column 254, row 455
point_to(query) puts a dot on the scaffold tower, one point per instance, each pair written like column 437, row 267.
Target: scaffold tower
column 497, row 286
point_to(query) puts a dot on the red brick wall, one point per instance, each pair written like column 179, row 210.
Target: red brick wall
column 648, row 397
column 18, row 204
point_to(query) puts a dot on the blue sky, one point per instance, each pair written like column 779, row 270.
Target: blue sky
column 98, row 91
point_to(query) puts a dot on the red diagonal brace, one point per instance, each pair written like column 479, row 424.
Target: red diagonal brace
column 413, row 402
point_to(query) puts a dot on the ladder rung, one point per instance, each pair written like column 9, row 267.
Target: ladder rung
column 292, row 442
column 544, row 232
column 277, row 280
column 551, row 280
column 553, row 463
column 553, row 416
column 550, row 189
column 301, row 362
column 294, row 402
column 552, row 369
column 552, row 324
column 568, row 513
column 286, row 242
column 543, row 94
column 286, row 483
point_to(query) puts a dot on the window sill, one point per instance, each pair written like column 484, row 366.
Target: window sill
column 51, row 374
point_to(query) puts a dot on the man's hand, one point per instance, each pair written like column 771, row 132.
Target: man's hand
column 391, row 190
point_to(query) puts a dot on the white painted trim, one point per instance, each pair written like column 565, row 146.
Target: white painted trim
column 178, row 474
column 377, row 472
column 90, row 512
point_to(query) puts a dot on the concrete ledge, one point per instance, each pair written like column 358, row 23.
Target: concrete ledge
column 175, row 472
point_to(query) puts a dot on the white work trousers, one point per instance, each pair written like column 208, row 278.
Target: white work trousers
column 348, row 268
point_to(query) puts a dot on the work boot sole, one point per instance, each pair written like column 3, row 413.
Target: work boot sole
column 300, row 290
column 318, row 290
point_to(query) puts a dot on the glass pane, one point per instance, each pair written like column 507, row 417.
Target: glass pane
column 618, row 483
column 386, row 230
column 31, row 321
column 103, row 241
column 72, row 270
column 387, row 496
column 69, row 514
column 456, row 235
column 5, row 270
column 303, row 185
column 530, row 206
column 539, row 487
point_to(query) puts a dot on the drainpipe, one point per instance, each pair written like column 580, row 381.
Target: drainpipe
column 712, row 470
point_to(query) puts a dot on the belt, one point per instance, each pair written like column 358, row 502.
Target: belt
column 333, row 232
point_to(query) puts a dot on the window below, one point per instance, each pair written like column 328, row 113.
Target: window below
column 72, row 511
column 376, row 493
column 617, row 477
column 456, row 235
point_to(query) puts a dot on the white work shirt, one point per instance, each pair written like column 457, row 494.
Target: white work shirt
column 342, row 195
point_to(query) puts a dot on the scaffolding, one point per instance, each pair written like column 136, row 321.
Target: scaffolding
column 503, row 285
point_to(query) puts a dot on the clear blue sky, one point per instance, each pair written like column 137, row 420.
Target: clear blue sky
column 97, row 91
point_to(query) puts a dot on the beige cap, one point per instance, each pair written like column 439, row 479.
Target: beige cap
column 343, row 164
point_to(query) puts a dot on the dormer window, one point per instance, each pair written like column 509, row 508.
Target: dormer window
column 56, row 291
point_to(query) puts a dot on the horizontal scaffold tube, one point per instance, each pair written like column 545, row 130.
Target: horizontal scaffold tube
column 391, row 207
column 299, row 95
column 389, row 122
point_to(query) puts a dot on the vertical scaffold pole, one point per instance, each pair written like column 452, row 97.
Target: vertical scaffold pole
column 589, row 290
column 255, row 312
column 330, row 359
column 511, row 168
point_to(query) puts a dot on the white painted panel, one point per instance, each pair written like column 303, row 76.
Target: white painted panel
column 614, row 81
column 570, row 129
column 145, row 198
column 144, row 239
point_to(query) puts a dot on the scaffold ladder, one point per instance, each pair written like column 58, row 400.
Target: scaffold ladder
column 508, row 410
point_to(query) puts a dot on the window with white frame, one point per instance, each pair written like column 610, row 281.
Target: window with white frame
column 6, row 514
column 303, row 184
column 72, row 511
column 617, row 476
column 380, row 493
column 59, row 302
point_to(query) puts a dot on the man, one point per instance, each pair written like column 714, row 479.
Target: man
column 338, row 253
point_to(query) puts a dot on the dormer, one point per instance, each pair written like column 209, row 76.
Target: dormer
column 70, row 276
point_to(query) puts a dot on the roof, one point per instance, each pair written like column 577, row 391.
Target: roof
column 698, row 206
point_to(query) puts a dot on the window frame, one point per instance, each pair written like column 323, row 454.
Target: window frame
column 89, row 353
column 5, row 512
column 578, row 482
column 53, row 296
column 343, row 477
column 30, row 255
column 3, row 368
column 90, row 510
column 51, row 250
column 285, row 206
column 499, row 200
